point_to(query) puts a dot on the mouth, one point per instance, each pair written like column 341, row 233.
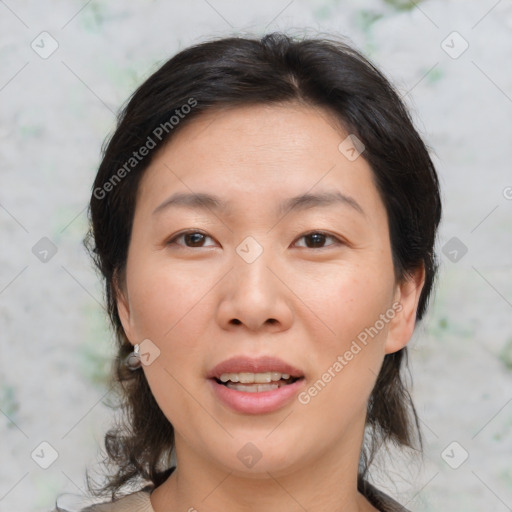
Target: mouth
column 255, row 385
column 256, row 382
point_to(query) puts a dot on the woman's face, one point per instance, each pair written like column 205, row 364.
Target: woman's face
column 279, row 286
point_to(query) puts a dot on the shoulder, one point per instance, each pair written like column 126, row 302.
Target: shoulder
column 140, row 502
column 135, row 502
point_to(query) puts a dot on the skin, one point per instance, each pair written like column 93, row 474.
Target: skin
column 202, row 303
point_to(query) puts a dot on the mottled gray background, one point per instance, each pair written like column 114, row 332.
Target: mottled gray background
column 56, row 109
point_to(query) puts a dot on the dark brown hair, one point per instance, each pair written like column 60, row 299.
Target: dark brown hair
column 236, row 71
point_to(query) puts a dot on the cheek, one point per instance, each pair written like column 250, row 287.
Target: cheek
column 167, row 307
column 345, row 301
column 171, row 306
column 347, row 346
column 162, row 298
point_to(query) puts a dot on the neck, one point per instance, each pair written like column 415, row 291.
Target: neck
column 327, row 484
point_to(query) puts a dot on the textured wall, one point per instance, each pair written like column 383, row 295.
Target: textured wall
column 66, row 68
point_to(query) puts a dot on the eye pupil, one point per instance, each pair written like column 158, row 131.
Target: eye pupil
column 317, row 238
column 194, row 238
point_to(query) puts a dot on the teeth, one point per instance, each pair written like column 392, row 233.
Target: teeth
column 250, row 378
column 254, row 388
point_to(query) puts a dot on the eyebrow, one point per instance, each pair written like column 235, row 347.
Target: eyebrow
column 205, row 201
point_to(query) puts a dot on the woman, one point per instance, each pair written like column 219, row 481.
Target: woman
column 264, row 217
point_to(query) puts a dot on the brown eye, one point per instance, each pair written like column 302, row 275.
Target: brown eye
column 190, row 238
column 316, row 239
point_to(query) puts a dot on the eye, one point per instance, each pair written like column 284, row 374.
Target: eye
column 317, row 239
column 196, row 239
column 191, row 238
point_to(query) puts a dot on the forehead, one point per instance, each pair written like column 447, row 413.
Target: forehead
column 258, row 155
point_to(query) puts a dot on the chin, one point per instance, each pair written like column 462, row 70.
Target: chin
column 256, row 457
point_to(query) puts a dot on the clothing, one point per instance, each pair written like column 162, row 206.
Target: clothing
column 380, row 500
column 140, row 502
column 135, row 502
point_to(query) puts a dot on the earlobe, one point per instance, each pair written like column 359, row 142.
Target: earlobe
column 408, row 293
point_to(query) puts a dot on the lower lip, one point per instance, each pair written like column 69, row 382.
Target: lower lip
column 256, row 403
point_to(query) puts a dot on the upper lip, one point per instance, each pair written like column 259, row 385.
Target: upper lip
column 246, row 364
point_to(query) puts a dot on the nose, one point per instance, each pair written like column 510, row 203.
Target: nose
column 255, row 295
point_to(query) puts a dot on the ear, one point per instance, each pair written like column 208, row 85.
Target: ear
column 123, row 305
column 401, row 327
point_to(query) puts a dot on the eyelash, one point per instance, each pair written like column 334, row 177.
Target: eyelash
column 172, row 241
